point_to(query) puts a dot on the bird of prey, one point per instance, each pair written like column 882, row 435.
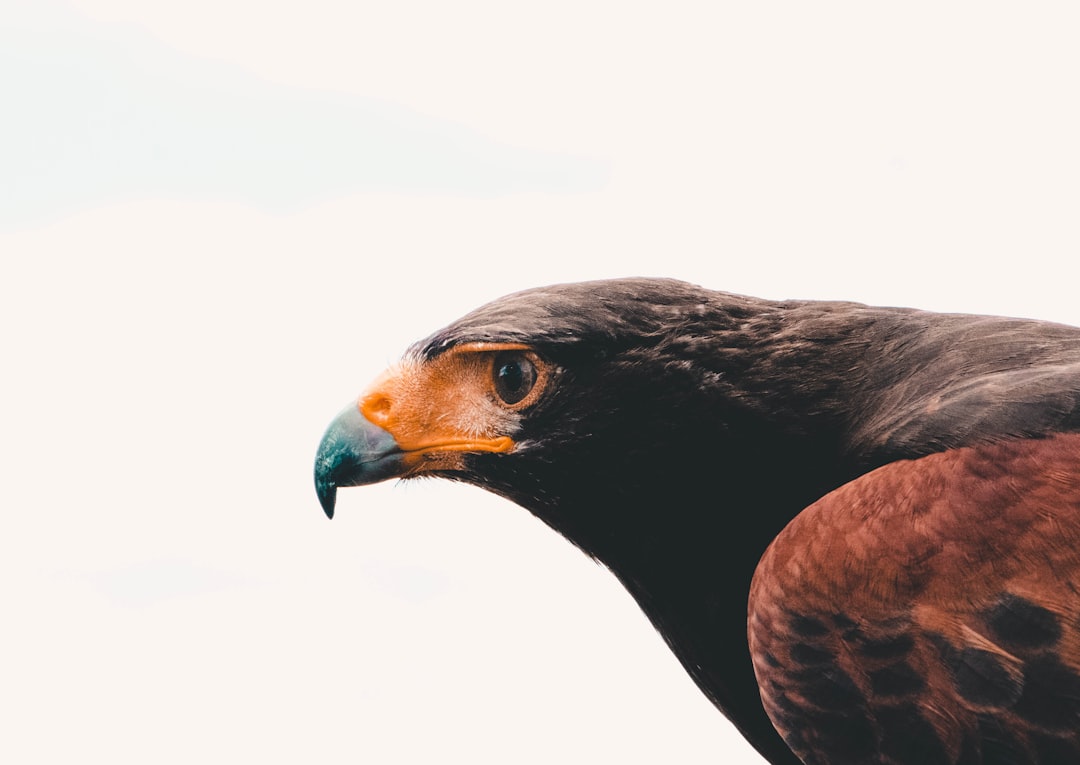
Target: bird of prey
column 858, row 528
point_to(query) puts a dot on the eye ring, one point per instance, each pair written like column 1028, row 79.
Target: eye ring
column 514, row 376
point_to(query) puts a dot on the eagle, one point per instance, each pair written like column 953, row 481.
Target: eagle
column 858, row 528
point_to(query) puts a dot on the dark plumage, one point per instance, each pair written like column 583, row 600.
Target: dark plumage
column 912, row 480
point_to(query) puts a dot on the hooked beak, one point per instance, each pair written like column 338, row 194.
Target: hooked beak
column 354, row 452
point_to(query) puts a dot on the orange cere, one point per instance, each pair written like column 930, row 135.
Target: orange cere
column 442, row 405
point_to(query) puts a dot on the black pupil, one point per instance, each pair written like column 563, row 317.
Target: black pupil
column 515, row 376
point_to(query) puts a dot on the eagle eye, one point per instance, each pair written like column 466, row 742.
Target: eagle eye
column 514, row 376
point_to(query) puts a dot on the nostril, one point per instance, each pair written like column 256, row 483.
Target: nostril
column 376, row 408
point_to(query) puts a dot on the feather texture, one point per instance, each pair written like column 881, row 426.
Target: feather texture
column 928, row 612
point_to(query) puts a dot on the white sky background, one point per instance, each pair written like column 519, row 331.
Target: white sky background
column 219, row 220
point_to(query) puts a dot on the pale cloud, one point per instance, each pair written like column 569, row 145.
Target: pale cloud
column 100, row 112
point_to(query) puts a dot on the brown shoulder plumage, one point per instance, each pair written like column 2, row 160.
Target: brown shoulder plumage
column 928, row 612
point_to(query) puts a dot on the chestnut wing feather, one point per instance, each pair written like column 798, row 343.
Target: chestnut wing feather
column 928, row 612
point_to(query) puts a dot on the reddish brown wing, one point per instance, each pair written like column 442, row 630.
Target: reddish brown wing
column 928, row 612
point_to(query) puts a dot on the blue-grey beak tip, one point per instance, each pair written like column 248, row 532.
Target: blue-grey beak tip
column 353, row 452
